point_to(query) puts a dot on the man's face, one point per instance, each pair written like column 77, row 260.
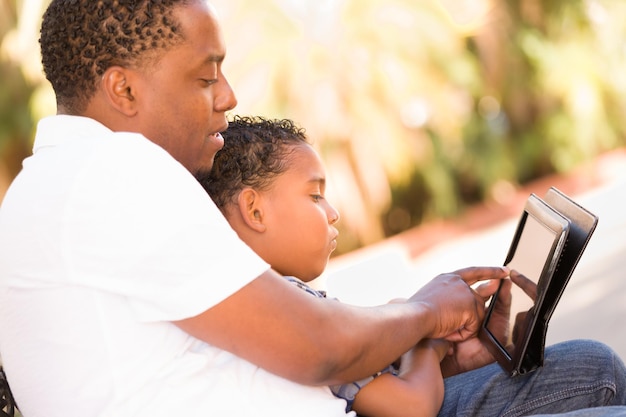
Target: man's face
column 185, row 95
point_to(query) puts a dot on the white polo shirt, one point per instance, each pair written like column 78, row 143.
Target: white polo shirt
column 104, row 240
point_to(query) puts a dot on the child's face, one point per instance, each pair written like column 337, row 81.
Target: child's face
column 299, row 235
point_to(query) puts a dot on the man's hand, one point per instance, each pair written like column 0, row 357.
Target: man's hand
column 471, row 353
column 457, row 309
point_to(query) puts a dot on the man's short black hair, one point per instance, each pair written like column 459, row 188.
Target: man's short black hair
column 80, row 39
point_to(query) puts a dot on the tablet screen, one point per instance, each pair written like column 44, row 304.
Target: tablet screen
column 533, row 257
column 528, row 261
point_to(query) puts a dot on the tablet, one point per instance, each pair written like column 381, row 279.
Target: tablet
column 533, row 257
column 582, row 225
column 550, row 238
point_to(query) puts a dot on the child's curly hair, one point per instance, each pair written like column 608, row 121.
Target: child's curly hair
column 254, row 153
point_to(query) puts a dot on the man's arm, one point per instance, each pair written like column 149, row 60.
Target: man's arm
column 311, row 340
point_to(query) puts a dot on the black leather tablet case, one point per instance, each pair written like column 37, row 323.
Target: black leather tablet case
column 571, row 227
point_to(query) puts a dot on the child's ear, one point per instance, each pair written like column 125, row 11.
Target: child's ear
column 251, row 209
column 117, row 86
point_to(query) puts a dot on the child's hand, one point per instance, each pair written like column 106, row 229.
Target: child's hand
column 440, row 346
column 427, row 350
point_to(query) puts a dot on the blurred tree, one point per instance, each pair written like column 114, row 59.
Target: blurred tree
column 419, row 108
column 20, row 84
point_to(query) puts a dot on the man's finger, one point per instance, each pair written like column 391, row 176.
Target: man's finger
column 487, row 289
column 474, row 274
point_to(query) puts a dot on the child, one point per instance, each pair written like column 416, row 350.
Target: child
column 269, row 183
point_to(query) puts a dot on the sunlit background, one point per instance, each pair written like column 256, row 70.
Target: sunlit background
column 420, row 108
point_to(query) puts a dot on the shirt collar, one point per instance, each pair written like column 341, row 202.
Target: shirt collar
column 59, row 129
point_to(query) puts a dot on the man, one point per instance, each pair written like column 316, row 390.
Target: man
column 114, row 301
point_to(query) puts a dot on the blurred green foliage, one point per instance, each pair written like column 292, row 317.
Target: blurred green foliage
column 419, row 108
column 16, row 124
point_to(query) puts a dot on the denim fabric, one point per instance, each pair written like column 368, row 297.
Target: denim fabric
column 576, row 375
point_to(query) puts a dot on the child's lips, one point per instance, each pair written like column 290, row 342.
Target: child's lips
column 333, row 242
column 217, row 139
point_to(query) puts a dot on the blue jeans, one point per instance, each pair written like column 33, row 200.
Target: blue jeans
column 576, row 375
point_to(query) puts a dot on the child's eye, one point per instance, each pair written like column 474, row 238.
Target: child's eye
column 207, row 82
column 316, row 197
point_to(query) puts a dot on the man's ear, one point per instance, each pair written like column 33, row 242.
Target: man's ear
column 118, row 87
column 251, row 209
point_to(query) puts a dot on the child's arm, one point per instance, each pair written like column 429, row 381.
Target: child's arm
column 416, row 391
